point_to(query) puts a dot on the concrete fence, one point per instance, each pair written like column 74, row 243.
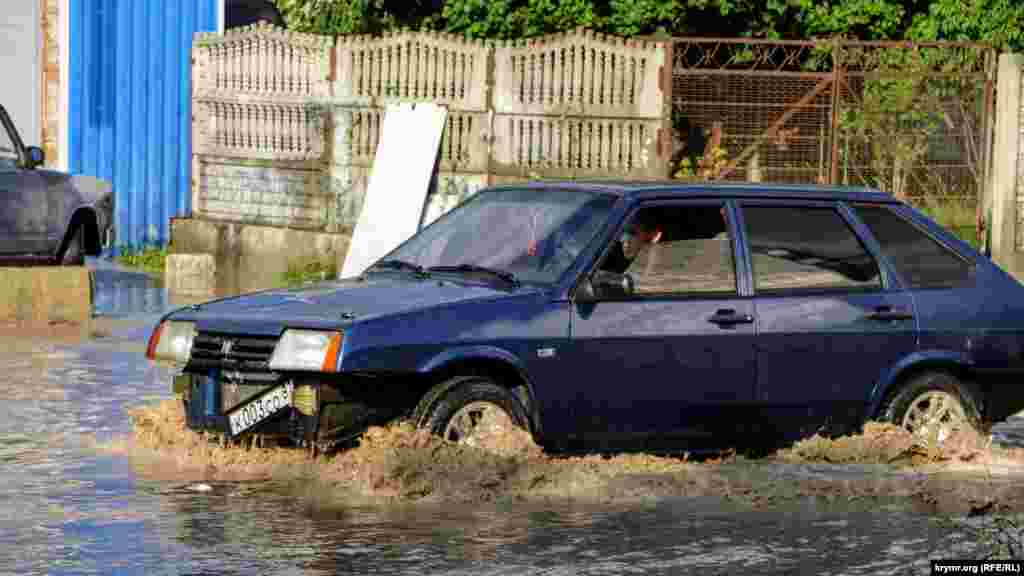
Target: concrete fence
column 1006, row 192
column 286, row 125
column 258, row 126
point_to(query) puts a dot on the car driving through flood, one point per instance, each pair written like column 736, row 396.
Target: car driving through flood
column 618, row 316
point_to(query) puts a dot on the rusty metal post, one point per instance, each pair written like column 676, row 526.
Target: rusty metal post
column 837, row 78
column 984, row 191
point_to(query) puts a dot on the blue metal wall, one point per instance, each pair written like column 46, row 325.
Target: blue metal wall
column 130, row 105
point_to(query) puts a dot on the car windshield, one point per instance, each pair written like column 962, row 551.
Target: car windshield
column 534, row 234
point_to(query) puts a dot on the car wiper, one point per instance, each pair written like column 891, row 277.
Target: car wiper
column 400, row 265
column 503, row 274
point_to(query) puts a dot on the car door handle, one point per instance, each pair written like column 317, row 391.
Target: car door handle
column 888, row 314
column 730, row 318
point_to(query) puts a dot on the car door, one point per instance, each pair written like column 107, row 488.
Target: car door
column 24, row 207
column 830, row 319
column 674, row 356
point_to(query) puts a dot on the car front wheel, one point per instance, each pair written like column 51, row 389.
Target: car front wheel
column 935, row 405
column 466, row 408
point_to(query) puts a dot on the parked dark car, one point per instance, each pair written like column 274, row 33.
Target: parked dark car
column 745, row 313
column 48, row 216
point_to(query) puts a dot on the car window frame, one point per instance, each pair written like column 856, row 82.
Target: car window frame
column 888, row 281
column 15, row 137
column 742, row 290
column 903, row 212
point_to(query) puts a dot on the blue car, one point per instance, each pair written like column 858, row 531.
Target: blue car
column 623, row 316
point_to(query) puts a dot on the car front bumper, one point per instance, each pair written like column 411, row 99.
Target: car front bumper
column 315, row 413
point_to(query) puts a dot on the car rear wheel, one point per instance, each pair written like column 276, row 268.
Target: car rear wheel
column 74, row 254
column 935, row 405
column 465, row 408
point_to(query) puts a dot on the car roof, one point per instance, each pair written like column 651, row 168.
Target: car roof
column 645, row 189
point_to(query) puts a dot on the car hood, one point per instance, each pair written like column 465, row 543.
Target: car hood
column 336, row 304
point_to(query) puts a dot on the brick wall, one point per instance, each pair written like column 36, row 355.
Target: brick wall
column 51, row 87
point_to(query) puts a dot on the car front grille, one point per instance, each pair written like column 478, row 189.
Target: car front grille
column 245, row 354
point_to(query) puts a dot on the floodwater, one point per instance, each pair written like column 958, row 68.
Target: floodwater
column 68, row 507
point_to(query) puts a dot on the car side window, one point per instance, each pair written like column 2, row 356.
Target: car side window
column 796, row 248
column 921, row 260
column 676, row 250
column 8, row 151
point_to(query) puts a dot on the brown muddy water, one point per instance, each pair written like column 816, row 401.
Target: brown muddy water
column 84, row 492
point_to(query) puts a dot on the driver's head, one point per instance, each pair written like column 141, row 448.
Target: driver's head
column 641, row 233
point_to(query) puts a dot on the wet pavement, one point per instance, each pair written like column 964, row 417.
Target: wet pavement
column 68, row 507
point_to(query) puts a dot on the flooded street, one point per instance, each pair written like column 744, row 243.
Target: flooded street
column 71, row 506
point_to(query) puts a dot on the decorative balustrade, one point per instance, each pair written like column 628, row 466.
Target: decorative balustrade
column 437, row 67
column 461, row 147
column 571, row 147
column 272, row 131
column 579, row 71
column 261, row 60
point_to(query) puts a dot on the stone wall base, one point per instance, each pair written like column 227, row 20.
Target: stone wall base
column 46, row 295
column 251, row 257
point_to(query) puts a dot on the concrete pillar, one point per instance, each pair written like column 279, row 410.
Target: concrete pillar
column 341, row 179
column 191, row 273
column 1006, row 165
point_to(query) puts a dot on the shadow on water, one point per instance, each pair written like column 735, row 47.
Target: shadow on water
column 670, row 537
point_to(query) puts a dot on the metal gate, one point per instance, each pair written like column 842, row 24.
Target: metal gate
column 911, row 119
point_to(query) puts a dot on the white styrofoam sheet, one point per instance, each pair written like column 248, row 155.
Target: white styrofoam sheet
column 399, row 184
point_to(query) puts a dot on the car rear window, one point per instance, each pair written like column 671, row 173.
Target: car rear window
column 797, row 248
column 921, row 260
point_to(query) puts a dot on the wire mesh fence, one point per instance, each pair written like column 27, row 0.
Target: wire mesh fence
column 914, row 120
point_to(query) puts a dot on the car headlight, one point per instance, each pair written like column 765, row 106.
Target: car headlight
column 172, row 341
column 307, row 350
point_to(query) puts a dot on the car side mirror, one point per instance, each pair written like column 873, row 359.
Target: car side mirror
column 604, row 284
column 36, row 156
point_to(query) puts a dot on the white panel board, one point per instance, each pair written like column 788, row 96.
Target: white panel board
column 397, row 191
column 21, row 29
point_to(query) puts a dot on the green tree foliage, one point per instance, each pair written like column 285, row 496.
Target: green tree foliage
column 325, row 16
column 864, row 19
column 999, row 22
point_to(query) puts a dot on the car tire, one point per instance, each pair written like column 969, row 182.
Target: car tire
column 913, row 407
column 448, row 407
column 74, row 253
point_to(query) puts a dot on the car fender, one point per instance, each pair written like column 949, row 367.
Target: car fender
column 84, row 197
column 911, row 362
column 482, row 352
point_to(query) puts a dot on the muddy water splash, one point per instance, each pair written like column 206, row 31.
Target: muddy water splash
column 400, row 463
column 883, row 443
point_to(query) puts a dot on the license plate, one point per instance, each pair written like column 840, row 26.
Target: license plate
column 261, row 407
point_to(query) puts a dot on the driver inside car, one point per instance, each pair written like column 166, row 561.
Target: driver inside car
column 642, row 233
